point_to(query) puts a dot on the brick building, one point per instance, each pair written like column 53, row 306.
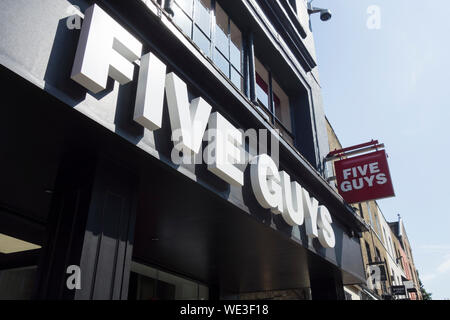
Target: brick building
column 383, row 244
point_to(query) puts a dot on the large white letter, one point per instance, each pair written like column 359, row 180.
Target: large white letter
column 224, row 150
column 310, row 206
column 266, row 183
column 105, row 49
column 292, row 201
column 326, row 233
column 191, row 120
column 148, row 108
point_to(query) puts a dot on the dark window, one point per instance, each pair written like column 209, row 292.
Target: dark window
column 360, row 211
column 369, row 256
column 348, row 296
column 222, row 42
column 378, row 255
column 147, row 283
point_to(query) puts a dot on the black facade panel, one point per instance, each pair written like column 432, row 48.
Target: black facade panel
column 189, row 221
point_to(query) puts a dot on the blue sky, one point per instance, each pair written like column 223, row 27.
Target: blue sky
column 392, row 84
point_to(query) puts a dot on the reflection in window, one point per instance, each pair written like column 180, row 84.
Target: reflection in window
column 202, row 41
column 222, row 63
column 262, row 84
column 203, row 16
column 262, row 91
column 186, row 5
column 221, row 39
column 228, row 43
column 236, row 47
column 147, row 283
column 194, row 19
column 282, row 111
column 182, row 20
column 202, row 28
column 279, row 110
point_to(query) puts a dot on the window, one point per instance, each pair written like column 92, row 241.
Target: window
column 378, row 255
column 147, row 283
column 228, row 54
column 383, row 287
column 278, row 109
column 369, row 256
column 262, row 85
column 348, row 296
column 17, row 283
column 375, row 217
column 370, row 214
column 222, row 43
column 392, row 247
column 360, row 209
column 375, row 226
column 194, row 19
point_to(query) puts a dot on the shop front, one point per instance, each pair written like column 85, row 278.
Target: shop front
column 134, row 168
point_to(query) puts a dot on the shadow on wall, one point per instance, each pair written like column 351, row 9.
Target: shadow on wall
column 57, row 75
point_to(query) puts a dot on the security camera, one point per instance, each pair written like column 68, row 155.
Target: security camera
column 325, row 15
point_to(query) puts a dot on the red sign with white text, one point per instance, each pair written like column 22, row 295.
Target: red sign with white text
column 364, row 177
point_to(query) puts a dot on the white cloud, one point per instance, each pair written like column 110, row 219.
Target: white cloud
column 436, row 247
column 444, row 266
column 428, row 277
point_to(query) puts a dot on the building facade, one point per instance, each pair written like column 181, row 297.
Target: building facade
column 112, row 187
column 404, row 254
column 386, row 262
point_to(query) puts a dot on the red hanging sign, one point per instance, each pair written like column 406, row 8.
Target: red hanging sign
column 364, row 177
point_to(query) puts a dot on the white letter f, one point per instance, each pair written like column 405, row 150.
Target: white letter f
column 105, row 49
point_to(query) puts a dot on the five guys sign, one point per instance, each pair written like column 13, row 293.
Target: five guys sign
column 365, row 177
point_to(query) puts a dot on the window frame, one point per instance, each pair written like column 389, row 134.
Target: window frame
column 245, row 76
column 270, row 109
column 214, row 50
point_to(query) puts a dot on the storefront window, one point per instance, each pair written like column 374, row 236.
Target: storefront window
column 194, row 19
column 17, row 283
column 147, row 283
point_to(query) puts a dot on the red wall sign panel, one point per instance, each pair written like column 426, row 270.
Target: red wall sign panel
column 364, row 178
